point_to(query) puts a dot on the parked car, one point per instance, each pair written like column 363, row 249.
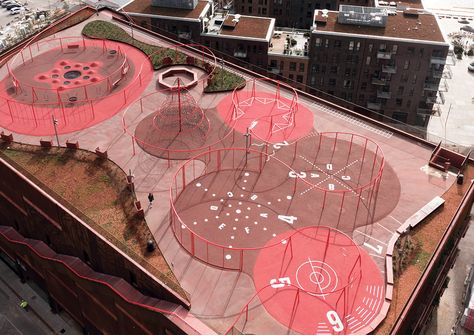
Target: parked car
column 17, row 10
column 470, row 67
column 13, row 5
column 467, row 28
column 6, row 3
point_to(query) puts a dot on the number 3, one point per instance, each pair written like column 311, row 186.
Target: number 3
column 335, row 321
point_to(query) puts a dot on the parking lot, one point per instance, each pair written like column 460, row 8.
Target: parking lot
column 6, row 17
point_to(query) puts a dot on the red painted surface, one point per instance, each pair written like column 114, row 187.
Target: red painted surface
column 308, row 278
column 30, row 108
column 271, row 115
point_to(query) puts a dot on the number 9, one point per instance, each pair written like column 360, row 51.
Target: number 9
column 335, row 321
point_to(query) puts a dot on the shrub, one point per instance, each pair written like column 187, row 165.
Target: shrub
column 222, row 80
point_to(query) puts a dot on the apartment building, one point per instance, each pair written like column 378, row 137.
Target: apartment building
column 291, row 13
column 389, row 63
column 244, row 38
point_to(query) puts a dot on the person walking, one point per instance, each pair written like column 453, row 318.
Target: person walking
column 151, row 198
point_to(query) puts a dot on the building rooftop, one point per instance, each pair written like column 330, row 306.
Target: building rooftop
column 287, row 42
column 240, row 26
column 145, row 7
column 423, row 27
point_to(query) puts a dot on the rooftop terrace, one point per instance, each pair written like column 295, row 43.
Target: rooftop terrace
column 291, row 43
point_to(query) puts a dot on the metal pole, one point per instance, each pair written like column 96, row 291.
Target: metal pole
column 55, row 122
column 247, row 140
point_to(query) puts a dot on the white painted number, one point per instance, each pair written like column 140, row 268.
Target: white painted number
column 346, row 177
column 329, row 166
column 293, row 174
column 230, row 194
column 377, row 249
column 214, row 208
column 331, row 187
column 280, row 144
column 335, row 321
column 280, row 282
column 288, row 218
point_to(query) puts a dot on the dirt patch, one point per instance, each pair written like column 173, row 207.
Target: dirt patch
column 98, row 190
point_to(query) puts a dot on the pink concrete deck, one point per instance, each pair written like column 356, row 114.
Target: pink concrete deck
column 217, row 295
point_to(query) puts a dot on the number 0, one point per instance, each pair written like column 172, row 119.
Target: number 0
column 335, row 321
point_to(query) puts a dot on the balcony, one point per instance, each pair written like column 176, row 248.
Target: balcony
column 437, row 74
column 380, row 81
column 384, row 54
column 383, row 94
column 436, row 110
column 374, row 105
column 240, row 53
column 438, row 60
column 442, row 86
column 389, row 69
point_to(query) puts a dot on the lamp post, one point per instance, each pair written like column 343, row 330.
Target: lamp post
column 130, row 21
column 55, row 123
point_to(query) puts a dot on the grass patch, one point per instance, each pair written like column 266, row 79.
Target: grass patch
column 220, row 81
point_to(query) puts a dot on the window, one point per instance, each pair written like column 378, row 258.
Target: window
column 351, row 45
column 411, row 51
column 347, row 72
column 317, row 42
column 400, row 90
column 301, row 67
column 363, row 86
column 273, row 63
column 371, row 46
column 299, row 78
column 404, row 77
column 367, row 61
column 398, row 102
column 347, row 83
column 337, row 43
column 333, row 69
column 332, row 82
column 250, row 9
column 264, row 11
column 291, row 76
column 414, row 79
column 358, row 46
column 400, row 116
column 408, row 103
column 406, row 65
column 382, row 47
column 133, row 279
column 394, row 49
column 412, row 91
column 327, row 43
column 292, row 66
column 361, row 97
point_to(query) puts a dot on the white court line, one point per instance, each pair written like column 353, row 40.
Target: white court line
column 377, row 256
column 395, row 219
column 357, row 231
column 391, row 232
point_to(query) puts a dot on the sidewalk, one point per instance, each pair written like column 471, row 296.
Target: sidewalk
column 37, row 319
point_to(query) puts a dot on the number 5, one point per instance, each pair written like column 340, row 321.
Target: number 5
column 335, row 321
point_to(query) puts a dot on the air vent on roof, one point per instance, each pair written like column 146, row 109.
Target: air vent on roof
column 358, row 15
column 410, row 13
column 320, row 18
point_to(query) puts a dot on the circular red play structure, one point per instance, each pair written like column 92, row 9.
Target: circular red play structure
column 267, row 109
column 77, row 82
column 316, row 281
column 243, row 198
